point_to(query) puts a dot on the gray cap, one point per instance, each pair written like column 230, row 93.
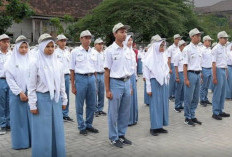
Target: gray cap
column 194, row 32
column 61, row 37
column 20, row 39
column 4, row 36
column 45, row 36
column 177, row 36
column 98, row 41
column 85, row 33
column 156, row 38
column 181, row 43
column 207, row 37
column 120, row 26
column 222, row 34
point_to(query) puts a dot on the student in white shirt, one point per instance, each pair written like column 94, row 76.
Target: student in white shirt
column 98, row 50
column 178, row 63
column 192, row 69
column 156, row 72
column 206, row 73
column 118, row 87
column 63, row 55
column 219, row 76
column 229, row 72
column 4, row 88
column 171, row 52
column 47, row 98
column 83, row 80
column 17, row 76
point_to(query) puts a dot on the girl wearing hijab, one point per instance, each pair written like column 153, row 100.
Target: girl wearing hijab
column 47, row 98
column 157, row 77
column 229, row 73
column 17, row 75
column 134, row 100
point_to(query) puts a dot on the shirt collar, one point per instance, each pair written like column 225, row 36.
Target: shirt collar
column 82, row 48
column 116, row 46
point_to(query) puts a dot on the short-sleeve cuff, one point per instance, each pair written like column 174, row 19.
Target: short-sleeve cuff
column 33, row 106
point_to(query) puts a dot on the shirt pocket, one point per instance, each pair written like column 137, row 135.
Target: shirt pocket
column 128, row 56
column 116, row 56
column 80, row 57
column 93, row 57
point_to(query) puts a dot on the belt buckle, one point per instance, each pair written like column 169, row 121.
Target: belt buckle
column 89, row 74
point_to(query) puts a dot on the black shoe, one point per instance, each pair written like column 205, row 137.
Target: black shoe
column 203, row 103
column 92, row 129
column 217, row 117
column 223, row 114
column 3, row 131
column 117, row 143
column 83, row 132
column 162, row 130
column 189, row 122
column 102, row 113
column 182, row 107
column 207, row 102
column 172, row 99
column 195, row 120
column 124, row 140
column 177, row 110
column 97, row 114
column 153, row 132
column 147, row 104
column 8, row 128
column 68, row 119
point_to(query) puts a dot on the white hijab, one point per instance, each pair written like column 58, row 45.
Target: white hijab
column 156, row 62
column 18, row 66
column 49, row 70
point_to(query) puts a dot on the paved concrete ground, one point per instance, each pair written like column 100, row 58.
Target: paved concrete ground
column 212, row 139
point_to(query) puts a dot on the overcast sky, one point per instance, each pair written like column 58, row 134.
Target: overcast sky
column 201, row 3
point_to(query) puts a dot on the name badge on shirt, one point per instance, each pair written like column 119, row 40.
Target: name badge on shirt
column 16, row 66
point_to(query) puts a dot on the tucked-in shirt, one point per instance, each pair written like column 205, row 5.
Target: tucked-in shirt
column 193, row 57
column 179, row 60
column 82, row 61
column 100, row 61
column 64, row 57
column 219, row 53
column 148, row 75
column 171, row 52
column 207, row 57
column 3, row 59
column 36, row 85
column 118, row 61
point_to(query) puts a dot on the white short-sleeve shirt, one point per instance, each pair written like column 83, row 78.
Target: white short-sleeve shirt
column 220, row 57
column 207, row 57
column 64, row 57
column 100, row 60
column 171, row 52
column 179, row 60
column 3, row 58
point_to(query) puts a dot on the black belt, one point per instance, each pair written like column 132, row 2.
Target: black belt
column 122, row 79
column 195, row 72
column 230, row 65
column 206, row 68
column 3, row 78
column 66, row 74
column 88, row 74
column 100, row 73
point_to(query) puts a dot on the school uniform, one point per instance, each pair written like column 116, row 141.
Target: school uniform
column 229, row 77
column 17, row 75
column 119, row 62
column 64, row 57
column 156, row 72
column 179, row 94
column 83, row 62
column 171, row 52
column 193, row 59
column 206, row 73
column 146, row 96
column 46, row 93
column 220, row 58
column 140, row 63
column 4, row 92
column 100, row 80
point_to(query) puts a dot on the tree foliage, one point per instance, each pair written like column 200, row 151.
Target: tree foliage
column 146, row 18
column 13, row 11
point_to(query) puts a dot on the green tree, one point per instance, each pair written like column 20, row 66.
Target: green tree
column 146, row 18
column 13, row 11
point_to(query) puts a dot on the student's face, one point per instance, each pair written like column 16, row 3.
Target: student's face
column 4, row 44
column 207, row 43
column 130, row 42
column 120, row 35
column 62, row 43
column 196, row 38
column 99, row 47
column 223, row 41
column 49, row 49
column 85, row 41
column 182, row 47
column 176, row 41
column 162, row 47
column 23, row 49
